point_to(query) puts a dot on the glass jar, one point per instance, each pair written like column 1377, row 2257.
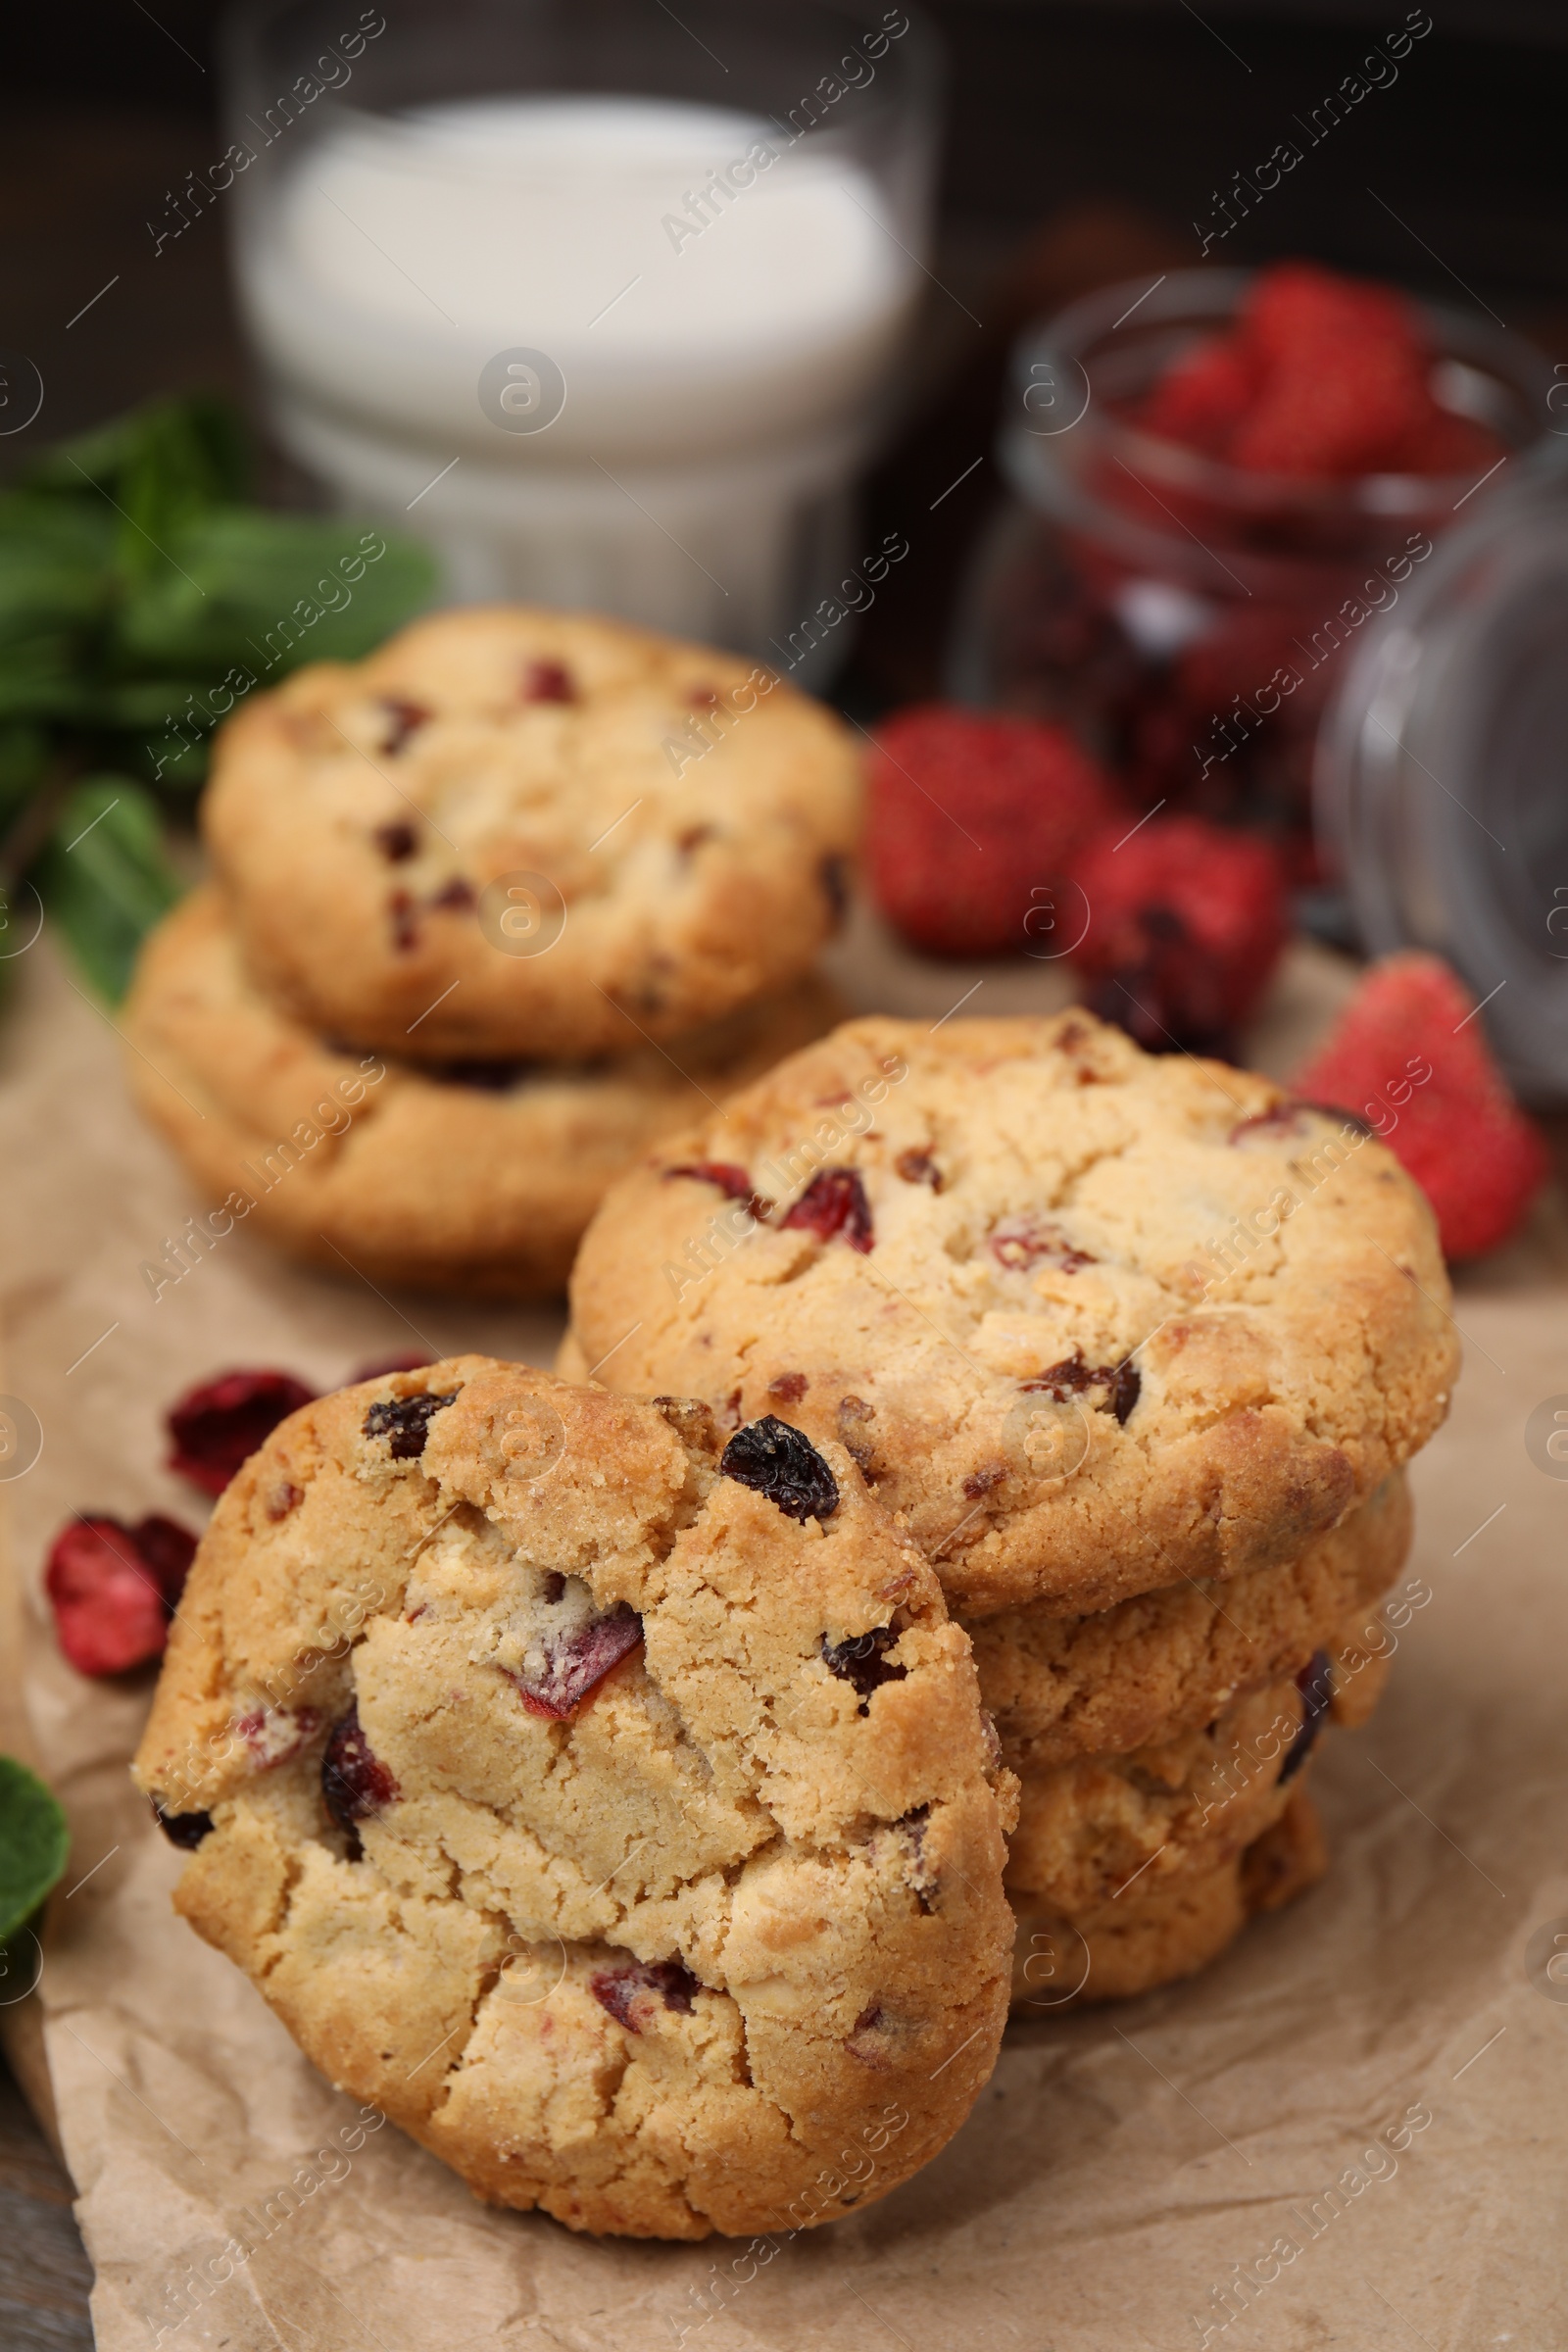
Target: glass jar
column 1190, row 620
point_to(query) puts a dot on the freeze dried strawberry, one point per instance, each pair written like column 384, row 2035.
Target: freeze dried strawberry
column 1295, row 306
column 775, row 1459
column 354, row 1783
column 1443, row 443
column 114, row 1588
column 834, row 1202
column 218, row 1424
column 576, row 1663
column 1185, row 923
column 1407, row 1055
column 618, row 1988
column 1203, row 396
column 967, row 817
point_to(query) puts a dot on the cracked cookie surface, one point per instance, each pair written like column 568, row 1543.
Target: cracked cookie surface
column 1092, row 1320
column 689, row 823
column 553, row 1811
column 479, row 1177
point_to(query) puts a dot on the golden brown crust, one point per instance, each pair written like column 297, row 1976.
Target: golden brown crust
column 411, row 1174
column 1122, row 1320
column 719, row 1942
column 1165, row 1662
column 692, row 842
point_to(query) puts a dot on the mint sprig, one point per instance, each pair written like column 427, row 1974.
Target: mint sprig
column 33, row 1844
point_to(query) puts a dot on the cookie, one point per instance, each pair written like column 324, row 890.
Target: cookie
column 477, row 1177
column 1092, row 1320
column 515, row 832
column 1168, row 1661
column 1169, row 1932
column 613, row 1811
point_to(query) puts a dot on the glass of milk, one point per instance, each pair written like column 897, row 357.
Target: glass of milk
column 603, row 300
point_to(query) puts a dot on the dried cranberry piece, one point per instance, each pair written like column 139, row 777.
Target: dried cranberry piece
column 575, row 1664
column 405, row 920
column 780, row 1462
column 114, row 1588
column 406, row 1422
column 1123, row 1383
column 276, row 1735
column 833, row 1202
column 861, row 1662
column 1021, row 1242
column 919, row 1167
column 403, row 717
column 354, row 1782
column 1315, row 1683
column 733, row 1182
column 185, row 1829
column 455, row 897
column 789, row 1388
column 616, row 1989
column 396, row 842
column 219, row 1423
column 547, row 683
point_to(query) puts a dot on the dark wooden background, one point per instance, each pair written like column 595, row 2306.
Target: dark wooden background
column 1083, row 142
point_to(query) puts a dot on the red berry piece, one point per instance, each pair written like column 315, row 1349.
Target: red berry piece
column 834, row 1202
column 1315, row 1683
column 1122, row 1383
column 1186, row 924
column 863, row 1661
column 547, row 683
column 1019, row 1243
column 779, row 1461
column 1203, row 396
column 354, row 1782
column 396, row 842
column 114, row 1588
column 966, row 816
column 733, row 1182
column 274, row 1734
column 402, row 720
column 218, row 1424
column 405, row 1422
column 620, row 1989
column 576, row 1663
column 1408, row 1057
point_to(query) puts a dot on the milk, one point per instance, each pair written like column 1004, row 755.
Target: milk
column 719, row 300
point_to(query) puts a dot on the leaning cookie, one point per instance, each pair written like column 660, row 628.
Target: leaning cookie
column 1092, row 1320
column 615, row 1810
column 1171, row 1661
column 479, row 1177
column 530, row 833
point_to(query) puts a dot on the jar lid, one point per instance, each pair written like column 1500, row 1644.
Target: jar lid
column 1440, row 777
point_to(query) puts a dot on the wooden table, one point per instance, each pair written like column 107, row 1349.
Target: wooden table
column 45, row 2275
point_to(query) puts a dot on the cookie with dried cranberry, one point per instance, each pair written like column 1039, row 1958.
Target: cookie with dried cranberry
column 1169, row 1661
column 513, row 832
column 1094, row 1321
column 475, row 1176
column 609, row 1803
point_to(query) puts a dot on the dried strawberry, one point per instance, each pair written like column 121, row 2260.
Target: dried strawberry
column 618, row 1988
column 1203, row 396
column 114, row 1588
column 1185, row 923
column 1408, row 1054
column 354, row 1783
column 834, row 1202
column 967, row 817
column 576, row 1663
column 218, row 1424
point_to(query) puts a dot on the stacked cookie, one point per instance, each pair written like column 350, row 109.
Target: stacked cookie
column 1135, row 1350
column 493, row 911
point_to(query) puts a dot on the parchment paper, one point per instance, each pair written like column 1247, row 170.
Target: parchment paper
column 1385, row 2038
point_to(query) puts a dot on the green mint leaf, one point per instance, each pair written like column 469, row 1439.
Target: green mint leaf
column 105, row 878
column 156, row 471
column 33, row 1844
